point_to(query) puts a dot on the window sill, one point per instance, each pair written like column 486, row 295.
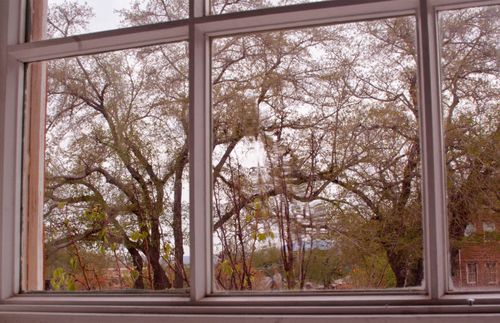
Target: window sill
column 234, row 305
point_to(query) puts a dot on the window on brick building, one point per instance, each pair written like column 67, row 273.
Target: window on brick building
column 472, row 273
column 489, row 231
column 491, row 272
column 470, row 229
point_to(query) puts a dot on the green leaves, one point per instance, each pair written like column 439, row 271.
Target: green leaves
column 134, row 274
column 167, row 249
column 62, row 280
column 138, row 235
column 72, row 263
column 226, row 268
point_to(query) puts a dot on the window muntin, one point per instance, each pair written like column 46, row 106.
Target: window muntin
column 115, row 209
column 73, row 17
column 316, row 158
column 226, row 6
column 470, row 98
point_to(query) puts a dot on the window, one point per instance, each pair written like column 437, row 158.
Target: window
column 470, row 229
column 317, row 170
column 491, row 272
column 293, row 158
column 488, row 227
column 489, row 231
column 472, row 273
column 470, row 100
column 67, row 18
column 115, row 186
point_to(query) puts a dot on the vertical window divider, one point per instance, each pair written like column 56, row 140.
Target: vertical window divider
column 33, row 157
column 199, row 156
column 434, row 200
column 11, row 96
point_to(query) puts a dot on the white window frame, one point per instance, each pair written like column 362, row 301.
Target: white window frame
column 198, row 29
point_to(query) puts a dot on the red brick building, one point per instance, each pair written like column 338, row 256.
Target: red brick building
column 479, row 255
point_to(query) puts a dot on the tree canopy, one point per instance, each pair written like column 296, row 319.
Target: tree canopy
column 316, row 153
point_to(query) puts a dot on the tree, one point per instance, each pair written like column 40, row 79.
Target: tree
column 315, row 149
column 471, row 118
column 104, row 153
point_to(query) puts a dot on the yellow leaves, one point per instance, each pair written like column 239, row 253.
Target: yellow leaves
column 261, row 237
column 167, row 249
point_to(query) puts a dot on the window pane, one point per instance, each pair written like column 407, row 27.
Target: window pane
column 225, row 6
column 316, row 179
column 73, row 17
column 471, row 119
column 115, row 208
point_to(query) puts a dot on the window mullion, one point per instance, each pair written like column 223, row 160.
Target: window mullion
column 435, row 232
column 199, row 154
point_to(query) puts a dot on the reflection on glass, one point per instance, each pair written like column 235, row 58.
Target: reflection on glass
column 74, row 17
column 218, row 7
column 316, row 159
column 471, row 119
column 116, row 171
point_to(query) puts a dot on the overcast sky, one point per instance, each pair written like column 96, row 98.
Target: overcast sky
column 105, row 16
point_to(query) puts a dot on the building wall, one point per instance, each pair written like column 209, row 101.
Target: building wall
column 478, row 249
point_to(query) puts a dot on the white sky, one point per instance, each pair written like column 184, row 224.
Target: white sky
column 105, row 16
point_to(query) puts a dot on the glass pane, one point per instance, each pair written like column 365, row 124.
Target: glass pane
column 61, row 18
column 218, row 7
column 316, row 179
column 115, row 208
column 471, row 119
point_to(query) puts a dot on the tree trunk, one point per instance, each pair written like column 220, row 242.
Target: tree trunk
column 138, row 264
column 407, row 272
column 160, row 280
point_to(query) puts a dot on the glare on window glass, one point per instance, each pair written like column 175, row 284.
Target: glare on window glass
column 115, row 209
column 316, row 164
column 471, row 119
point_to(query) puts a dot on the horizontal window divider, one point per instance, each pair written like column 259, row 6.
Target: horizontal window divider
column 460, row 4
column 276, row 308
column 101, row 42
column 111, row 300
column 298, row 7
column 350, row 300
column 254, row 22
column 483, row 297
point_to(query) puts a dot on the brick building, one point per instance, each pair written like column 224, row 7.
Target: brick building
column 479, row 255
